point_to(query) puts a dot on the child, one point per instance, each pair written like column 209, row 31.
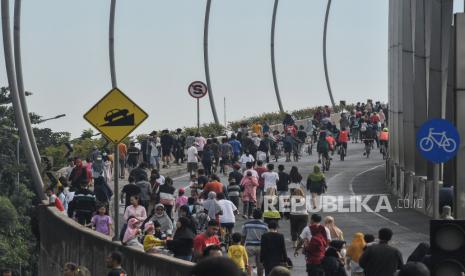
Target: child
column 234, row 191
column 158, row 233
column 102, row 222
column 238, row 253
column 151, row 242
column 54, row 200
column 181, row 200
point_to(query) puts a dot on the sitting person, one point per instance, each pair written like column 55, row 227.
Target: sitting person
column 151, row 242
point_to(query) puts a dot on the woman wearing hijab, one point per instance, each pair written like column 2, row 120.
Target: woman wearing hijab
column 102, row 192
column 212, row 207
column 183, row 240
column 354, row 252
column 163, row 219
column 79, row 175
column 336, row 233
column 184, row 212
column 316, row 184
column 132, row 233
column 249, row 195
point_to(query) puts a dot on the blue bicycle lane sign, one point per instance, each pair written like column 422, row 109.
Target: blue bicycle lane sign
column 438, row 140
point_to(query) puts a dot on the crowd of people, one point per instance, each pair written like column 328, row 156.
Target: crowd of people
column 200, row 226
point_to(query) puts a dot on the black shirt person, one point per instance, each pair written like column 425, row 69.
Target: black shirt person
column 114, row 263
column 272, row 248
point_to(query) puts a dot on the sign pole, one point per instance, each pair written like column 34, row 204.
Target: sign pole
column 436, row 191
column 198, row 115
column 116, row 174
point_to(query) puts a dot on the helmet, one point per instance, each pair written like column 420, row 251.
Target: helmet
column 385, row 129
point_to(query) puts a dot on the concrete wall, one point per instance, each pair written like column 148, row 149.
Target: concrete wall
column 63, row 240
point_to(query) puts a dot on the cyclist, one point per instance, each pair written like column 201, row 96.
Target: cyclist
column 331, row 142
column 322, row 146
column 383, row 140
column 302, row 136
column 343, row 138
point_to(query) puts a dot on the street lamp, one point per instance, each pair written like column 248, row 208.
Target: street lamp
column 49, row 119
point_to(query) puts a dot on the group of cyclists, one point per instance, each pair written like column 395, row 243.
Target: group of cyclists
column 365, row 123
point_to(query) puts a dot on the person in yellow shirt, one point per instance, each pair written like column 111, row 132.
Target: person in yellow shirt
column 151, row 243
column 257, row 128
column 238, row 254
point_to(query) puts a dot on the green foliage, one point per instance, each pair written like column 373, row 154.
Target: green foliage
column 9, row 217
column 207, row 129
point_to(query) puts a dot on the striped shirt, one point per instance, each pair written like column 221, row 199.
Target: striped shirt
column 253, row 231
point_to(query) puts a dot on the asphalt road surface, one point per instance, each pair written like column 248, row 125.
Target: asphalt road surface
column 360, row 176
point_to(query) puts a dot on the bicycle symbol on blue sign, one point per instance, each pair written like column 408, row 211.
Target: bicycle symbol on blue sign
column 438, row 140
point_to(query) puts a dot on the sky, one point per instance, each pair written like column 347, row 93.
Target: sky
column 159, row 51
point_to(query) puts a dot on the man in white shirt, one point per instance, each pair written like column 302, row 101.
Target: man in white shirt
column 306, row 234
column 270, row 178
column 192, row 159
column 227, row 218
column 249, row 168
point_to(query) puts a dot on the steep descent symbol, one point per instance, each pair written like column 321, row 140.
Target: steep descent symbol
column 118, row 117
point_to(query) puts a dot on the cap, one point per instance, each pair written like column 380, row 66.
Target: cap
column 181, row 190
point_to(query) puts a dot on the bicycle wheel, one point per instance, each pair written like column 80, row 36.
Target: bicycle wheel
column 449, row 145
column 426, row 144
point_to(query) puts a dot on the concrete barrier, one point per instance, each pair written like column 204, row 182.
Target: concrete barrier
column 63, row 240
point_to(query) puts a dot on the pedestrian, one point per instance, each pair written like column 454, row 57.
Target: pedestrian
column 246, row 158
column 152, row 243
column 238, row 254
column 315, row 250
column 181, row 199
column 236, row 173
column 183, row 240
column 179, row 143
column 354, row 252
column 252, row 232
column 295, row 179
column 420, row 252
column 123, row 153
column 236, row 148
column 298, row 215
column 192, row 159
column 249, row 195
column 185, row 212
column 381, row 259
column 316, row 184
column 160, row 216
column 154, row 154
column 272, row 248
column 129, row 190
column 213, row 186
column 200, row 141
column 283, row 182
column 167, row 144
column 214, row 266
column 270, row 178
column 335, row 232
column 271, row 206
column 167, row 197
column 102, row 222
column 131, row 236
column 369, row 240
column 261, row 182
column 83, row 205
column 228, row 212
column 133, row 156
column 145, row 191
column 249, row 167
column 212, row 207
column 209, row 237
column 135, row 210
column 140, row 173
column 54, row 200
column 215, row 148
column 79, row 175
column 114, row 261
column 234, row 191
column 212, row 251
column 207, row 158
column 332, row 263
column 306, row 234
column 226, row 154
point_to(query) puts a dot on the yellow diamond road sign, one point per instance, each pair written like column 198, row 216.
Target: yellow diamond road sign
column 115, row 115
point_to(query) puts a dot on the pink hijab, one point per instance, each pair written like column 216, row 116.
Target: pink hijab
column 132, row 229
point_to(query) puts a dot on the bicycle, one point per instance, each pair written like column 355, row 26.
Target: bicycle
column 342, row 152
column 444, row 142
column 325, row 162
column 383, row 150
column 368, row 146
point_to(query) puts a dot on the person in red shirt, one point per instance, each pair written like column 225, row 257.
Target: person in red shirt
column 54, row 200
column 213, row 186
column 374, row 119
column 332, row 142
column 209, row 237
column 291, row 129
